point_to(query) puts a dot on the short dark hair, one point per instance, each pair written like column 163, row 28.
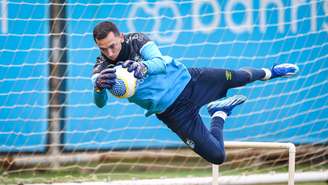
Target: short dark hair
column 102, row 29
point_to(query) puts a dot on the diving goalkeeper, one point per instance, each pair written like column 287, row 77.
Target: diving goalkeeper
column 173, row 92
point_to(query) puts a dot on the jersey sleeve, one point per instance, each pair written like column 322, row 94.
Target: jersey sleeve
column 138, row 40
column 100, row 96
column 153, row 58
column 149, row 52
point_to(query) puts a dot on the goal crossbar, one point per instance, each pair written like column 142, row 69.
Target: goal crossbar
column 271, row 145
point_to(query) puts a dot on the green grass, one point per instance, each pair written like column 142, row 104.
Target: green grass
column 78, row 175
column 129, row 170
column 75, row 176
column 49, row 177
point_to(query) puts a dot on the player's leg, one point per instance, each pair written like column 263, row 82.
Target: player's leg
column 183, row 118
column 237, row 78
column 202, row 141
column 220, row 109
column 210, row 84
column 208, row 144
column 241, row 77
column 281, row 70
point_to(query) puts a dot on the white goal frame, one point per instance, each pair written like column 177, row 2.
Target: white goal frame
column 272, row 145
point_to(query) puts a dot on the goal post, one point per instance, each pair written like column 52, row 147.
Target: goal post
column 263, row 145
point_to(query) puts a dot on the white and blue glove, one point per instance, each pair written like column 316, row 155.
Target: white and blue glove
column 105, row 79
column 139, row 69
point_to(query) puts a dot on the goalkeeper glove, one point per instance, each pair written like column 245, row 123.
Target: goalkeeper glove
column 140, row 69
column 106, row 79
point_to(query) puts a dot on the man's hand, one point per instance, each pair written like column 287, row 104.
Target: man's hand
column 106, row 79
column 140, row 69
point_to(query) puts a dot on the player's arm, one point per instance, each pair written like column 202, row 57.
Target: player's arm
column 103, row 78
column 100, row 97
column 153, row 58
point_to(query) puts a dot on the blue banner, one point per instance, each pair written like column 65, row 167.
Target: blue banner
column 23, row 76
column 224, row 34
column 229, row 34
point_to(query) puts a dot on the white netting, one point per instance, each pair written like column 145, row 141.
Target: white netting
column 117, row 141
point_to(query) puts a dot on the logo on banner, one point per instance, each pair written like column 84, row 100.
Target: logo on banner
column 225, row 14
column 153, row 12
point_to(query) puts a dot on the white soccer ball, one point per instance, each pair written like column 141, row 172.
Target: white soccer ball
column 126, row 83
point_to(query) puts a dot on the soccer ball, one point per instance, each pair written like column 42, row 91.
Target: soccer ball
column 125, row 85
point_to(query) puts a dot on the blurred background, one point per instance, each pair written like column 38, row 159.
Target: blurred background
column 50, row 127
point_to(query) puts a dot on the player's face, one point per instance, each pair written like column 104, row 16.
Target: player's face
column 111, row 45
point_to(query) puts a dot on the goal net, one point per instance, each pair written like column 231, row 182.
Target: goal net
column 118, row 142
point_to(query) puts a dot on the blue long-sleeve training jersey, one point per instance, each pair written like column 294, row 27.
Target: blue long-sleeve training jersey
column 165, row 80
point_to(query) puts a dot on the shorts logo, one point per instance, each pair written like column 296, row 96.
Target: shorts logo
column 228, row 75
column 190, row 143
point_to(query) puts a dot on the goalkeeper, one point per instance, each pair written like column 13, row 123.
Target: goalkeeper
column 173, row 92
